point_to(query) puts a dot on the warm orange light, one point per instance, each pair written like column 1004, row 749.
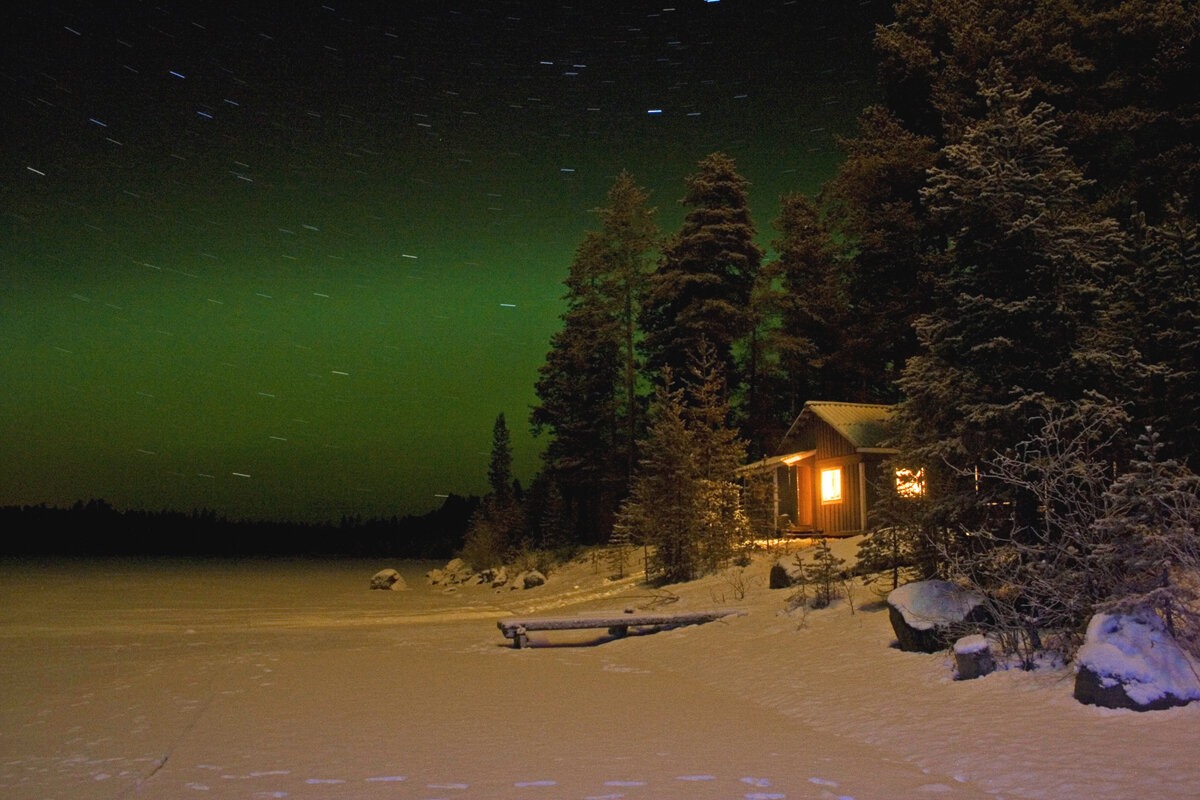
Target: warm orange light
column 909, row 483
column 793, row 459
column 831, row 485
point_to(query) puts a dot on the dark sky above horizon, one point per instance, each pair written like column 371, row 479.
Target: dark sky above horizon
column 292, row 264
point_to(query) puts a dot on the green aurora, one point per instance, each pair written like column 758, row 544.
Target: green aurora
column 293, row 269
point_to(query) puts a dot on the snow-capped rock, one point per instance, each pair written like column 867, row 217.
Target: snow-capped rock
column 785, row 573
column 1131, row 661
column 926, row 614
column 973, row 657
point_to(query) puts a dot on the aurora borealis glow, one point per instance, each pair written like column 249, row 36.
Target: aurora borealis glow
column 291, row 265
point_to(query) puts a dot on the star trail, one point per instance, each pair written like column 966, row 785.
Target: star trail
column 291, row 265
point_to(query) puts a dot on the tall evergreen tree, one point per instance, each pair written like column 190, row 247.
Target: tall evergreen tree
column 814, row 306
column 587, row 386
column 660, row 511
column 1159, row 316
column 1122, row 76
column 874, row 202
column 1012, row 333
column 500, row 475
column 721, row 523
column 576, row 388
column 701, row 287
column 632, row 235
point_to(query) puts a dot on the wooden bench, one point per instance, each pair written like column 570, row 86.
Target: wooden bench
column 518, row 628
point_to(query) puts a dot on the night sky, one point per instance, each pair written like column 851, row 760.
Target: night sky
column 291, row 265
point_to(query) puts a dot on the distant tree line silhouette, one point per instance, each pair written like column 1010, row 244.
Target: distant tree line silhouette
column 96, row 528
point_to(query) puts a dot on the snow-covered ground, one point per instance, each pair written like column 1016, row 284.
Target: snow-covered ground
column 292, row 680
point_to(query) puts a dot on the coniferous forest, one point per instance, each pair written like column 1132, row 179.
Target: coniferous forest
column 1007, row 255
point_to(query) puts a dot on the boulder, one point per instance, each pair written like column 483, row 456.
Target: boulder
column 928, row 615
column 1131, row 661
column 786, row 573
column 388, row 579
column 973, row 657
column 499, row 577
column 455, row 571
column 527, row 580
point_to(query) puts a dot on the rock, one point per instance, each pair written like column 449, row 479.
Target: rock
column 926, row 615
column 786, row 573
column 528, row 580
column 1131, row 661
column 500, row 577
column 388, row 579
column 973, row 657
column 455, row 571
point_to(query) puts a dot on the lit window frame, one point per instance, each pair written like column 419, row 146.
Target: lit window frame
column 910, row 484
column 831, row 485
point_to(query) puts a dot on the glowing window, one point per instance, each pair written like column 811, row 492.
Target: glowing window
column 831, row 485
column 909, row 483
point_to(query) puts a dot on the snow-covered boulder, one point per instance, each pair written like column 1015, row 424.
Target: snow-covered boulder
column 1131, row 661
column 388, row 579
column 785, row 573
column 926, row 615
column 973, row 657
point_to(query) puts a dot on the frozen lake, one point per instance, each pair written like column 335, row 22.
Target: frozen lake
column 293, row 680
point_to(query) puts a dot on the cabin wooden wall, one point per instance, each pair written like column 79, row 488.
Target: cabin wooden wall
column 846, row 515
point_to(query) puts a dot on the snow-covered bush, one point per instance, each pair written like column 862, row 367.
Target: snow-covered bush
column 1098, row 544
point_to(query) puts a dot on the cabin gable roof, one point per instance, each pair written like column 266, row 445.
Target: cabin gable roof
column 863, row 425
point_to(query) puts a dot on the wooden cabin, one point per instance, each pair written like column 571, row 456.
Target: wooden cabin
column 822, row 482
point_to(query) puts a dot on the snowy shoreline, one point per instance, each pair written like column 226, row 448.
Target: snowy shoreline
column 297, row 681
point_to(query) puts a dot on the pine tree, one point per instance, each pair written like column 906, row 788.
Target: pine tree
column 1159, row 316
column 500, row 477
column 587, row 385
column 497, row 526
column 874, row 202
column 814, row 306
column 824, row 573
column 721, row 523
column 1013, row 332
column 632, row 235
column 1151, row 526
column 1121, row 74
column 701, row 287
column 660, row 511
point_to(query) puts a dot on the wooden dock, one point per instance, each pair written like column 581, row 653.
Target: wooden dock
column 518, row 628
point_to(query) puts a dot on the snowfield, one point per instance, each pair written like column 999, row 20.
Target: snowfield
column 293, row 680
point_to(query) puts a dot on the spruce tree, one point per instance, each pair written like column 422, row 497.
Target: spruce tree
column 721, row 523
column 813, row 305
column 874, row 202
column 500, row 476
column 1122, row 75
column 577, row 389
column 701, row 287
column 631, row 235
column 1159, row 317
column 1013, row 332
column 587, row 387
column 660, row 512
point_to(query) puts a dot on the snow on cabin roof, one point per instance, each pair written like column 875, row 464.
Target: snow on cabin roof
column 862, row 424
